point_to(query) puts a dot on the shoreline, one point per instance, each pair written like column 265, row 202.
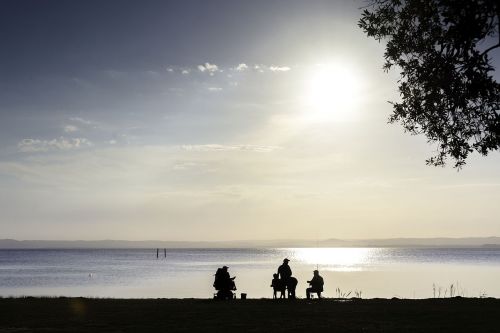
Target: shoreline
column 264, row 299
column 257, row 315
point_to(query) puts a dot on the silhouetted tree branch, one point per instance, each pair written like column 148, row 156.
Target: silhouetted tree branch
column 447, row 89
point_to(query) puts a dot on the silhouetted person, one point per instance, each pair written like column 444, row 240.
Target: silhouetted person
column 224, row 283
column 316, row 285
column 285, row 273
column 278, row 285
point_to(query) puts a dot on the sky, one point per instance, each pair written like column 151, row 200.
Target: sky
column 215, row 120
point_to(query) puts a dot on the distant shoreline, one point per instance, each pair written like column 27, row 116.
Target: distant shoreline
column 471, row 242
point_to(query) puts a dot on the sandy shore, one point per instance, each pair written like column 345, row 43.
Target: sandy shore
column 196, row 315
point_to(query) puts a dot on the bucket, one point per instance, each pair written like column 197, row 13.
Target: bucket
column 243, row 296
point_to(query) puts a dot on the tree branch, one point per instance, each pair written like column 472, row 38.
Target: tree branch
column 497, row 45
column 490, row 48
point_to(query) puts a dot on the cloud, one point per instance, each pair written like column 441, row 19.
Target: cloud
column 258, row 68
column 279, row 69
column 70, row 128
column 218, row 147
column 261, row 68
column 80, row 124
column 80, row 120
column 214, row 89
column 209, row 68
column 37, row 145
column 241, row 67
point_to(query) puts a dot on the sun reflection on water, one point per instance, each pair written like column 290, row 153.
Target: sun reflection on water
column 338, row 259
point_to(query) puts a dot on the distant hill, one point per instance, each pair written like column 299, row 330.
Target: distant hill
column 488, row 242
column 417, row 242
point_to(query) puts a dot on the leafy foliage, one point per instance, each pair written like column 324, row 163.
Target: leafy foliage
column 447, row 89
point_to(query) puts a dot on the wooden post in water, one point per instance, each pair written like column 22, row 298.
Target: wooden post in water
column 157, row 251
column 165, row 252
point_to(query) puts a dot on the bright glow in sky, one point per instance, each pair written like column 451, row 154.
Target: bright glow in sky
column 225, row 120
column 333, row 92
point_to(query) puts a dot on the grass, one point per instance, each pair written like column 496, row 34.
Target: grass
column 196, row 315
column 452, row 291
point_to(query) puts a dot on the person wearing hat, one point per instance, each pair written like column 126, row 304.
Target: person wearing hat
column 225, row 274
column 284, row 271
column 224, row 283
column 316, row 285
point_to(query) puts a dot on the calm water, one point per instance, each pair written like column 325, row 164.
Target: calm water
column 409, row 273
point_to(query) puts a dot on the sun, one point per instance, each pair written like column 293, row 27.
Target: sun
column 332, row 93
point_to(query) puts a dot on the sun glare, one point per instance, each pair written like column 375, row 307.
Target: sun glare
column 343, row 259
column 332, row 93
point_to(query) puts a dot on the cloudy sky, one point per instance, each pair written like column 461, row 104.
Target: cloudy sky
column 215, row 120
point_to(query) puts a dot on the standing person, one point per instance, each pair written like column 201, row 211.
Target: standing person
column 284, row 271
column 285, row 274
column 316, row 285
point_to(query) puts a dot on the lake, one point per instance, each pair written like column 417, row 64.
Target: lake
column 186, row 273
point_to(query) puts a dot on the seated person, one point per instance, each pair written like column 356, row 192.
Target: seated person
column 278, row 285
column 316, row 285
column 224, row 284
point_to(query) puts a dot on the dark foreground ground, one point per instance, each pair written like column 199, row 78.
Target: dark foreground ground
column 168, row 315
